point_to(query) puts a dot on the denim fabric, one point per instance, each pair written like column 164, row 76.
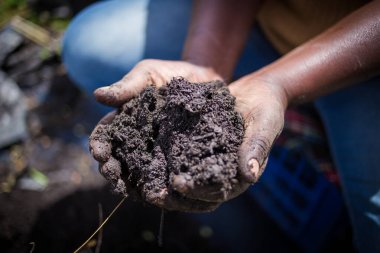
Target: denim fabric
column 103, row 42
column 108, row 38
column 352, row 122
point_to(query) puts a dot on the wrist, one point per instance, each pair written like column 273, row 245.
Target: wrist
column 284, row 79
column 210, row 63
column 198, row 73
column 275, row 89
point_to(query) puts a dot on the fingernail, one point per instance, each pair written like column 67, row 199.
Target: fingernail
column 100, row 91
column 254, row 166
column 100, row 151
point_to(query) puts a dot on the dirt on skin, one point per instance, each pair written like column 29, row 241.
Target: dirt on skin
column 184, row 127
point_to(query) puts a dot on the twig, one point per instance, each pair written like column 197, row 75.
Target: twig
column 101, row 225
column 33, row 246
column 100, row 235
column 32, row 31
column 161, row 230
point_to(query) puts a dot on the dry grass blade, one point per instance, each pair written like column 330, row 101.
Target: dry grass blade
column 161, row 230
column 101, row 225
column 32, row 31
column 100, row 235
column 33, row 246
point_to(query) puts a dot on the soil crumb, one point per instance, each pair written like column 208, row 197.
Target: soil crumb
column 184, row 127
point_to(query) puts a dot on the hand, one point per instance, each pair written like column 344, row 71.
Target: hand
column 262, row 105
column 158, row 73
column 155, row 72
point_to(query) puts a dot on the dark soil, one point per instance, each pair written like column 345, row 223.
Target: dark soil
column 189, row 128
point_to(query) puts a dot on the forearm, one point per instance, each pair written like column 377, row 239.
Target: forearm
column 217, row 34
column 346, row 53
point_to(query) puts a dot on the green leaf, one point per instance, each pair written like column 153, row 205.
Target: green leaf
column 39, row 177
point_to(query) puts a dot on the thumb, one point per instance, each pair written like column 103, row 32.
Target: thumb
column 262, row 129
column 130, row 86
column 100, row 147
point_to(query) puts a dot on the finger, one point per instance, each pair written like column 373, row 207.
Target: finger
column 130, row 86
column 111, row 170
column 262, row 129
column 100, row 147
column 108, row 118
column 184, row 184
column 175, row 202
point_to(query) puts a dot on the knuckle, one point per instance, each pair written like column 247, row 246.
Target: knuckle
column 261, row 147
column 111, row 169
column 250, row 117
column 146, row 63
column 142, row 63
column 103, row 170
column 100, row 150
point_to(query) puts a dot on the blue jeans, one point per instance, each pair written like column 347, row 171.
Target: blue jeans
column 108, row 38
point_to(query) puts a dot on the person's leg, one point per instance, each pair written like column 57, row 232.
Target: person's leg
column 103, row 42
column 258, row 52
column 108, row 38
column 352, row 121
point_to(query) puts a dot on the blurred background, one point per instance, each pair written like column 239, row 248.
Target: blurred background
column 52, row 196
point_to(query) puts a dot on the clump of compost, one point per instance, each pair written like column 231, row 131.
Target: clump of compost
column 184, row 127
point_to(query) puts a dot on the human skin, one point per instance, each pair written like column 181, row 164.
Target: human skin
column 346, row 53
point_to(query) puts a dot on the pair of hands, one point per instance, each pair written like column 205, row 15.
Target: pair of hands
column 261, row 104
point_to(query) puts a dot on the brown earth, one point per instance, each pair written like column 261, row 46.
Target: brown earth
column 183, row 128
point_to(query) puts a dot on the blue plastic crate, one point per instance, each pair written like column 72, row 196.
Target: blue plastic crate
column 303, row 202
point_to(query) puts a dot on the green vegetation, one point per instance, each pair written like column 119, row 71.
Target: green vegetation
column 10, row 8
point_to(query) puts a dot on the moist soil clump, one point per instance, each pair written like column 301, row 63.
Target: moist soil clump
column 189, row 128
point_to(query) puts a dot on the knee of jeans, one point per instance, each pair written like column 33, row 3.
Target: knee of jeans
column 104, row 42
